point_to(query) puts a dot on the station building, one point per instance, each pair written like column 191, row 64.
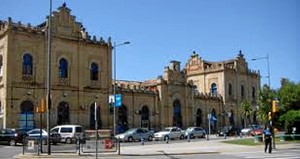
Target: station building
column 197, row 93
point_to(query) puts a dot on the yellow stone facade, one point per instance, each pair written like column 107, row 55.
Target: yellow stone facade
column 81, row 76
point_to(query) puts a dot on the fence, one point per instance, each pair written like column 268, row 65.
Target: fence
column 88, row 143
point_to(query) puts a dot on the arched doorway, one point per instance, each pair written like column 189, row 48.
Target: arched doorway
column 92, row 117
column 177, row 118
column 63, row 113
column 145, row 122
column 199, row 120
column 26, row 120
column 122, row 119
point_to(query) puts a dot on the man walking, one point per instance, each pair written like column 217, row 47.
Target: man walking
column 267, row 136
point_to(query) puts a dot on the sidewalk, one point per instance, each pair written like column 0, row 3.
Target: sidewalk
column 192, row 147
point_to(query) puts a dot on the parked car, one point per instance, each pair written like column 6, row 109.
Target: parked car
column 12, row 136
column 258, row 131
column 169, row 133
column 247, row 131
column 135, row 134
column 69, row 133
column 229, row 131
column 193, row 132
column 36, row 134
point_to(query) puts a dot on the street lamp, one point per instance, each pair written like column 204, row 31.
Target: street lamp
column 269, row 83
column 268, row 67
column 49, row 77
column 115, row 79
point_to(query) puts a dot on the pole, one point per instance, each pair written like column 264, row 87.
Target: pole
column 115, row 81
column 114, row 92
column 273, row 122
column 269, row 76
column 208, row 116
column 41, row 137
column 269, row 83
column 96, row 128
column 49, row 78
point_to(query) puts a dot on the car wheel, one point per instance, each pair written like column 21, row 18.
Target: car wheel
column 166, row 138
column 130, row 139
column 68, row 140
column 181, row 137
column 203, row 135
column 12, row 142
column 150, row 138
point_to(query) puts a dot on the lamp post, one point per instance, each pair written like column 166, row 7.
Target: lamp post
column 49, row 77
column 269, row 83
column 115, row 79
column 268, row 67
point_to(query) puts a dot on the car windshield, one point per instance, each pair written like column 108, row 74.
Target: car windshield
column 166, row 129
column 189, row 129
column 130, row 131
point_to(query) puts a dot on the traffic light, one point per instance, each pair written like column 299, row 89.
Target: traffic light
column 270, row 115
column 43, row 105
column 41, row 108
column 275, row 106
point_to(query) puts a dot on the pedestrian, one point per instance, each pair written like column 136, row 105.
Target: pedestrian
column 267, row 136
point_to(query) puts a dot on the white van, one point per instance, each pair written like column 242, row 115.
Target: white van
column 68, row 133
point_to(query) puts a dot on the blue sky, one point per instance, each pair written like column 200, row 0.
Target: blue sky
column 165, row 30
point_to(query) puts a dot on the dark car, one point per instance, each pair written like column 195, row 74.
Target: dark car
column 12, row 136
column 36, row 134
column 229, row 131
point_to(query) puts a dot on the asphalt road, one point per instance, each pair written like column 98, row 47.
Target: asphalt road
column 8, row 152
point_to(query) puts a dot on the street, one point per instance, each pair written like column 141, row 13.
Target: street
column 175, row 149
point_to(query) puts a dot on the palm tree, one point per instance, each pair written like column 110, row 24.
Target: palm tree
column 246, row 110
column 265, row 103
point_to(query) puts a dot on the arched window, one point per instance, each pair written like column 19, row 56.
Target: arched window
column 177, row 118
column 253, row 92
column 145, row 114
column 242, row 91
column 27, row 64
column 214, row 88
column 63, row 68
column 229, row 89
column 94, row 71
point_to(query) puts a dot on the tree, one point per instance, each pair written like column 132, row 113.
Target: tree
column 290, row 118
column 289, row 96
column 246, row 111
column 289, row 100
column 265, row 103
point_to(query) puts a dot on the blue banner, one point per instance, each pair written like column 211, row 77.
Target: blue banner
column 118, row 100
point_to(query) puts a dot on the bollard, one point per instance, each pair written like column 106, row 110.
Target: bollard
column 225, row 135
column 78, row 146
column 167, row 140
column 188, row 138
column 241, row 135
column 142, row 141
column 119, row 146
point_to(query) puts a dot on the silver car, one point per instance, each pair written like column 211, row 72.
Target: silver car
column 193, row 132
column 169, row 133
column 135, row 134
